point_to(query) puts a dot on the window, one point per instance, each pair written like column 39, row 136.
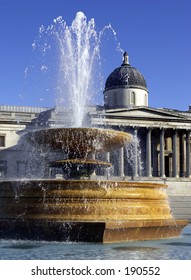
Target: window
column 165, row 144
column 2, row 140
column 133, row 99
column 3, row 168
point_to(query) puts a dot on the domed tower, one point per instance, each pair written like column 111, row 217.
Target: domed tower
column 125, row 87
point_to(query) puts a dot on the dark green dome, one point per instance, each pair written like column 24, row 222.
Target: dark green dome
column 125, row 76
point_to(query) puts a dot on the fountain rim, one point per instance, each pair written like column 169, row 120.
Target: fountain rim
column 116, row 184
column 78, row 141
column 79, row 161
column 113, row 131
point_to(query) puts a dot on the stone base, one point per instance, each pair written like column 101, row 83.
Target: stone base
column 142, row 230
column 104, row 232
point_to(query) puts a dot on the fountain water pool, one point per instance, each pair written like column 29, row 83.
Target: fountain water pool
column 173, row 249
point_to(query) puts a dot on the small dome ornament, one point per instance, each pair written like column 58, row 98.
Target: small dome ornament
column 125, row 59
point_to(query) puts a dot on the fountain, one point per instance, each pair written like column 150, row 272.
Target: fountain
column 82, row 209
column 78, row 207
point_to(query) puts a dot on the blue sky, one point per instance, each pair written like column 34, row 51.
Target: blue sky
column 156, row 34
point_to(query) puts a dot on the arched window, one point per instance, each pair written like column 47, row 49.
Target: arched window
column 133, row 98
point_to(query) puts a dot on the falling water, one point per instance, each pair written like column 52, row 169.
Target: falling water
column 134, row 159
column 79, row 77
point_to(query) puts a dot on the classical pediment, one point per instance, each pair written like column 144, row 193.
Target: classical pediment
column 147, row 113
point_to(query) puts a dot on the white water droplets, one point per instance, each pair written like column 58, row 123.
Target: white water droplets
column 44, row 68
column 73, row 55
column 133, row 156
column 79, row 49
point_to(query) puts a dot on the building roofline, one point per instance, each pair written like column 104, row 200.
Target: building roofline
column 23, row 109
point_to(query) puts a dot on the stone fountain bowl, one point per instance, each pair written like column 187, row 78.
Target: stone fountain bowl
column 78, row 142
column 77, row 168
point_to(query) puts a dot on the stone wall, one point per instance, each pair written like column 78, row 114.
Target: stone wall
column 180, row 199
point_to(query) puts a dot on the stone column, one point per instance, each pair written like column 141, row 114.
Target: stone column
column 136, row 154
column 188, row 154
column 174, row 154
column 121, row 162
column 162, row 167
column 107, row 158
column 148, row 153
column 182, row 155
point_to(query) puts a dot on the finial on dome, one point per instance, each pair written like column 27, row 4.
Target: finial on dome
column 125, row 58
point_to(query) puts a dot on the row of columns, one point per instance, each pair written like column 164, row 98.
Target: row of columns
column 175, row 170
column 174, row 153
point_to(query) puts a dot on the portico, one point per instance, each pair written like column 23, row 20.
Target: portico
column 161, row 145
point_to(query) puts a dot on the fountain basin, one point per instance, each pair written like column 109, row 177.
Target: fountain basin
column 79, row 142
column 85, row 210
column 77, row 168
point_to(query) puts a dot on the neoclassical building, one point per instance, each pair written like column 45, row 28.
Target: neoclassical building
column 164, row 134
